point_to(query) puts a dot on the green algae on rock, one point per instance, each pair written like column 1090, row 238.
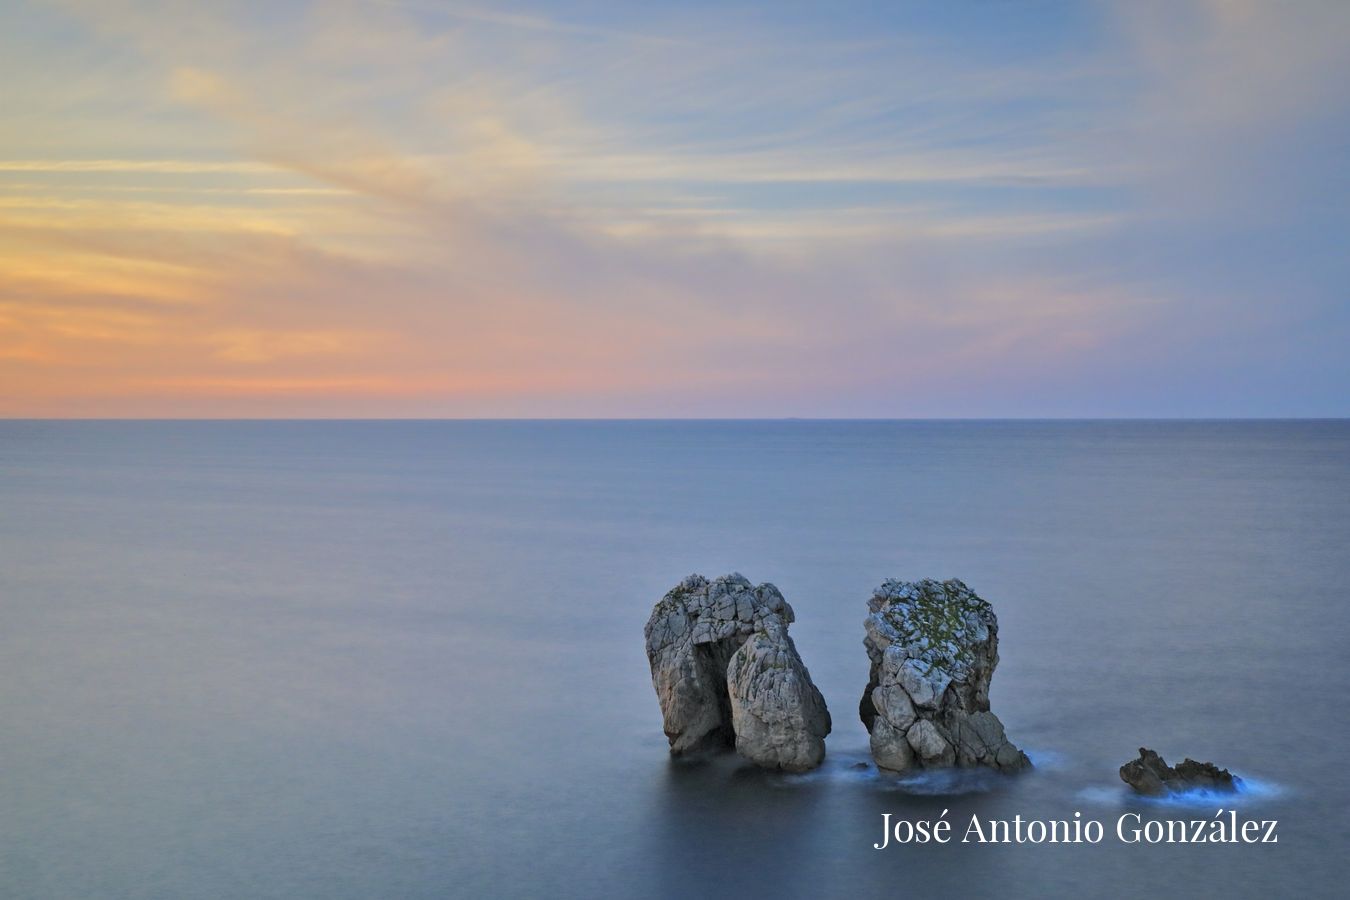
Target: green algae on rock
column 933, row 646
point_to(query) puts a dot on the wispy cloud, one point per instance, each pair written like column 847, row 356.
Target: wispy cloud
column 169, row 166
column 526, row 22
column 414, row 208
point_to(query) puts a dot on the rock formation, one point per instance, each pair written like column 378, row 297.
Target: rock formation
column 1151, row 775
column 933, row 646
column 726, row 671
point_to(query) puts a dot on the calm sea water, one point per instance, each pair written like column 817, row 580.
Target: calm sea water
column 405, row 659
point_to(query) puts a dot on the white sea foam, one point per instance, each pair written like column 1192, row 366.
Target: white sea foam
column 1253, row 790
column 1046, row 760
column 855, row 766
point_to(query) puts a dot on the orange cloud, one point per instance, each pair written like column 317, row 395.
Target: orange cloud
column 509, row 215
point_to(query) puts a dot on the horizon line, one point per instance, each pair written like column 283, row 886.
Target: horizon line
column 160, row 419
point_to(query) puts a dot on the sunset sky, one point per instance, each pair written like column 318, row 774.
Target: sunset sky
column 428, row 208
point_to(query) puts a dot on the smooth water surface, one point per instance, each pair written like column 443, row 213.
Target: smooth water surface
column 405, row 659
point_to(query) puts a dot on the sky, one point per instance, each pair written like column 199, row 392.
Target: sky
column 422, row 208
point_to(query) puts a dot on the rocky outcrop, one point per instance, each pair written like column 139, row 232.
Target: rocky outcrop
column 1152, row 776
column 726, row 672
column 933, row 646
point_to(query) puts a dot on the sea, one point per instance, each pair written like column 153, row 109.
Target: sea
column 387, row 659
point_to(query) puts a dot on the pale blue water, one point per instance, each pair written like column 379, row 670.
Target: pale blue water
column 405, row 659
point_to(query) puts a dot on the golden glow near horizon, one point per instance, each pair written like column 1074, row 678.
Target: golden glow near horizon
column 394, row 209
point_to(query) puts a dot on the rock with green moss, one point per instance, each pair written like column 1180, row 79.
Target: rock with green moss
column 727, row 673
column 933, row 646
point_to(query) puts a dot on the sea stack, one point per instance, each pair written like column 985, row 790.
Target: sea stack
column 727, row 673
column 1151, row 776
column 933, row 646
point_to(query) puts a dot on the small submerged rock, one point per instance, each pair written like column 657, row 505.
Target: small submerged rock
column 933, row 646
column 726, row 672
column 1151, row 776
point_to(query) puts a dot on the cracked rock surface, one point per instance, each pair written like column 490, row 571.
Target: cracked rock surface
column 726, row 672
column 1152, row 776
column 933, row 646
